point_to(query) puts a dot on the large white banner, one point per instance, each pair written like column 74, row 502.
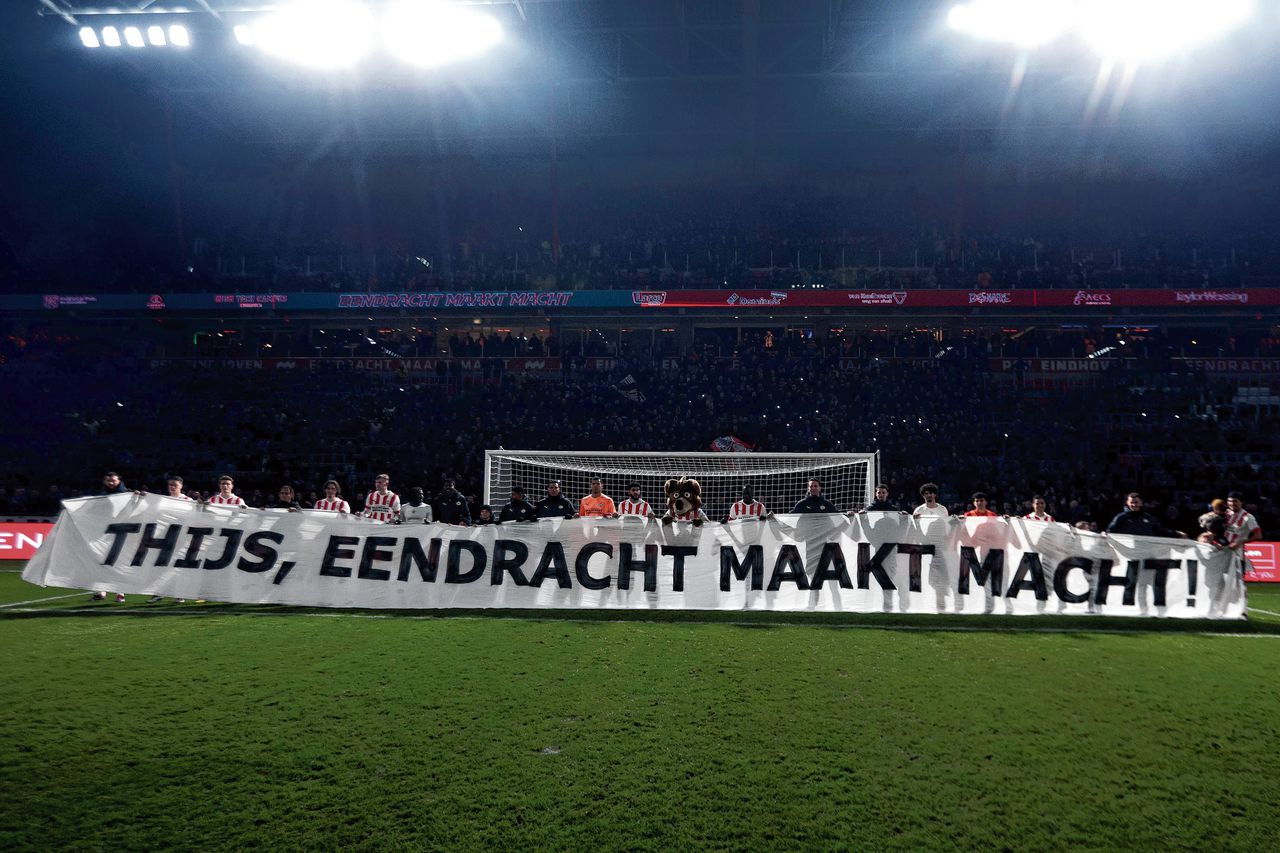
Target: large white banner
column 873, row 563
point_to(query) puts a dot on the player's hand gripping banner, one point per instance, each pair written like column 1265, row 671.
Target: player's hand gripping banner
column 872, row 563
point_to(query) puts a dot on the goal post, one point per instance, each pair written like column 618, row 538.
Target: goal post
column 779, row 479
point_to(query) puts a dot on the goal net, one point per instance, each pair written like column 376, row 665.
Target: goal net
column 779, row 479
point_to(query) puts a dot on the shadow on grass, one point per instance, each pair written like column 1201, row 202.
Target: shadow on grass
column 989, row 623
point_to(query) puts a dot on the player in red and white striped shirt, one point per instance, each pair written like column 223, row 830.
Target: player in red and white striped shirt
column 332, row 500
column 1037, row 510
column 225, row 495
column 382, row 504
column 1242, row 527
column 634, row 504
column 748, row 507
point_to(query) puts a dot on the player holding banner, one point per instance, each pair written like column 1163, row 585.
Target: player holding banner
column 332, row 500
column 382, row 504
column 748, row 507
column 597, row 504
column 226, row 496
column 633, row 504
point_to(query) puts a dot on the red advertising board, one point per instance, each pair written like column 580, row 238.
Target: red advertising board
column 19, row 540
column 921, row 298
column 1262, row 558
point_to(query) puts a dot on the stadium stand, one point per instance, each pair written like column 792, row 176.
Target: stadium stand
column 1151, row 423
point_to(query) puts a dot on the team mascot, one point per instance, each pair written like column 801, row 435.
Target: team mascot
column 684, row 501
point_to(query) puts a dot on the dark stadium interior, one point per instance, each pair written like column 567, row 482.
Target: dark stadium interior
column 706, row 146
column 268, row 267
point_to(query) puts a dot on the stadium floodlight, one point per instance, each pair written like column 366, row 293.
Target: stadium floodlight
column 110, row 36
column 155, row 35
column 244, row 34
column 133, row 36
column 327, row 34
column 1025, row 23
column 179, row 36
column 89, row 38
column 1142, row 30
column 431, row 34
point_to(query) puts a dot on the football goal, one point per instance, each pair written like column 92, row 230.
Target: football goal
column 779, row 479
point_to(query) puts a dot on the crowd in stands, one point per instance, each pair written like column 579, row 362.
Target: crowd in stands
column 996, row 262
column 574, row 342
column 805, row 238
column 1179, row 437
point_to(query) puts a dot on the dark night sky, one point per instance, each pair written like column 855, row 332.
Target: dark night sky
column 95, row 145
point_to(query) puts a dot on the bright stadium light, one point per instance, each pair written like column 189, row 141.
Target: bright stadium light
column 319, row 34
column 1025, row 23
column 1130, row 31
column 244, row 34
column 430, row 34
column 89, row 38
column 110, row 36
column 179, row 36
column 155, row 35
column 1142, row 30
column 133, row 36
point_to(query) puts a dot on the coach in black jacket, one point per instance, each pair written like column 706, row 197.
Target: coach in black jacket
column 554, row 505
column 517, row 509
column 815, row 502
column 1138, row 522
column 451, row 506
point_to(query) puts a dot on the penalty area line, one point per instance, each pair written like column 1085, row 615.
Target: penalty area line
column 1260, row 610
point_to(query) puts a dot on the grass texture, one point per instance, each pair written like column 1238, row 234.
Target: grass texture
column 210, row 726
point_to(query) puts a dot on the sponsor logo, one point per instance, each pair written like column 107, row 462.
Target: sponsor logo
column 19, row 540
column 1199, row 296
column 989, row 298
column 532, row 365
column 515, row 299
column 1092, row 297
column 155, row 302
column 878, row 297
column 1262, row 557
column 649, row 297
column 775, row 297
column 54, row 300
column 250, row 300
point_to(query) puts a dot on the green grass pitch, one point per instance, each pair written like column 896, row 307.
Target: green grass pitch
column 142, row 726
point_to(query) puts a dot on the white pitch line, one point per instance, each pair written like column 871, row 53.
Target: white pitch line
column 970, row 629
column 39, row 600
column 1260, row 610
